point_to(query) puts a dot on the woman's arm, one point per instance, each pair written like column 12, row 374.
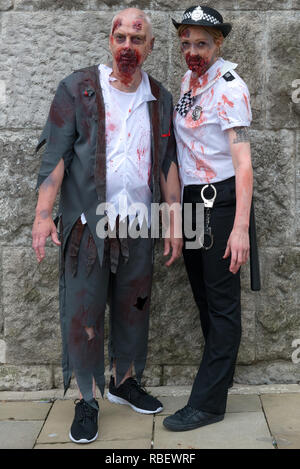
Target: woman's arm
column 238, row 243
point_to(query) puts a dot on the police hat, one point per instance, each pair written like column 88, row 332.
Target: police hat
column 204, row 16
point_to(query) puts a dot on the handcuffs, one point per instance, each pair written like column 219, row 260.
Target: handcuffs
column 208, row 204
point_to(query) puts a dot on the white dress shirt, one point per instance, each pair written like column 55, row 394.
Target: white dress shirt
column 128, row 148
column 202, row 144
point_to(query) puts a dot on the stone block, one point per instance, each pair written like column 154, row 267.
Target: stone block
column 19, row 166
column 2, row 351
column 282, row 51
column 25, row 378
column 275, row 372
column 246, row 353
column 175, row 333
column 178, row 375
column 6, row 5
column 223, row 5
column 48, row 47
column 97, row 5
column 297, row 212
column 32, row 329
column 277, row 317
column 264, row 5
column 274, row 192
column 35, row 5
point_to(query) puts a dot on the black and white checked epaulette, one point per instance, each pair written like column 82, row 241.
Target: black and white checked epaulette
column 185, row 103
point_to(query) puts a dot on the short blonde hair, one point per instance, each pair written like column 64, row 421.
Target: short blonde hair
column 216, row 34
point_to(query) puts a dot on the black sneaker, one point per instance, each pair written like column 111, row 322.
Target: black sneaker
column 189, row 418
column 131, row 393
column 84, row 428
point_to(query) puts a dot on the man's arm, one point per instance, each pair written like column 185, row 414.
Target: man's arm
column 238, row 243
column 170, row 189
column 43, row 225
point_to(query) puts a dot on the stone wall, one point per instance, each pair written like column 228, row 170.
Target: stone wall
column 44, row 40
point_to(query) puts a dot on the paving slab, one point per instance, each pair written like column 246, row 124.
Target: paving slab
column 243, row 403
column 19, row 434
column 283, row 415
column 115, row 444
column 243, row 430
column 24, row 410
column 117, row 422
column 235, row 403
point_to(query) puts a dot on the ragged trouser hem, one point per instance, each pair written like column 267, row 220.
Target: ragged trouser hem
column 84, row 287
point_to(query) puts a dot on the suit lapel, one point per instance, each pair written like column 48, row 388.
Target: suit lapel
column 154, row 109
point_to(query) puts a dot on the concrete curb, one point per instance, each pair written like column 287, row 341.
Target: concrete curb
column 53, row 394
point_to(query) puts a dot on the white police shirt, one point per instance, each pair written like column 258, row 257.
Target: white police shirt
column 221, row 102
column 128, row 148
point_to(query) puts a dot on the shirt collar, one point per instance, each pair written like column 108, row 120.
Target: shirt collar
column 143, row 92
column 216, row 71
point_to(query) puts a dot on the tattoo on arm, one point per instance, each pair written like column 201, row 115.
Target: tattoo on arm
column 242, row 135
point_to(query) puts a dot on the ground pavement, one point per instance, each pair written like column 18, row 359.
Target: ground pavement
column 257, row 417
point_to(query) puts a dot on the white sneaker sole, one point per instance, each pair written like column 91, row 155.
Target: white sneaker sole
column 119, row 400
column 83, row 440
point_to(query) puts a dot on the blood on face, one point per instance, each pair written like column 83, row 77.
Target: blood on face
column 197, row 64
column 137, row 25
column 127, row 61
column 116, row 25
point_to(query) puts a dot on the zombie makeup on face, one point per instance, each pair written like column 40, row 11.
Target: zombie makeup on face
column 186, row 33
column 137, row 25
column 116, row 26
column 127, row 60
column 198, row 53
column 197, row 64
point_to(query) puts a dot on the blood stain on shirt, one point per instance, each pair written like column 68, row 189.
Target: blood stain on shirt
column 111, row 127
column 203, row 170
column 226, row 101
column 247, row 103
column 204, row 80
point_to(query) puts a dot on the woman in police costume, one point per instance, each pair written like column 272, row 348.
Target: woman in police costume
column 211, row 122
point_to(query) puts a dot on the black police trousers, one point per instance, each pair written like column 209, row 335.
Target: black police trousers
column 217, row 294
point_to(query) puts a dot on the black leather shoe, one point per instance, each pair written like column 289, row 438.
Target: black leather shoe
column 189, row 418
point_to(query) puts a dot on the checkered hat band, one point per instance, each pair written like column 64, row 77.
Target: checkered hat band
column 185, row 103
column 206, row 17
